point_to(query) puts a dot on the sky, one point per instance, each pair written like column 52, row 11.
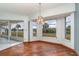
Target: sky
column 52, row 23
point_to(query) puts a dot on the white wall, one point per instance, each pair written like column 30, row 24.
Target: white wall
column 26, row 29
column 60, row 29
column 72, row 29
column 76, row 27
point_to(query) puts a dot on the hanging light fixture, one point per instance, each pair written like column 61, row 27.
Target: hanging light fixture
column 40, row 19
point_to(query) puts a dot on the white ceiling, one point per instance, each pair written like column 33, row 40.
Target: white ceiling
column 25, row 8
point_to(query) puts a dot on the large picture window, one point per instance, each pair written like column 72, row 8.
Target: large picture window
column 49, row 28
column 17, row 29
column 68, row 28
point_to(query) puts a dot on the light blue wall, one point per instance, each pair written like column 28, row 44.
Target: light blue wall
column 76, row 29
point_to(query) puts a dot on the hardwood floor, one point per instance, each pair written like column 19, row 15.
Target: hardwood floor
column 38, row 48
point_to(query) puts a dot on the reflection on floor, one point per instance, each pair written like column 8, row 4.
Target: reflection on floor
column 38, row 48
column 4, row 43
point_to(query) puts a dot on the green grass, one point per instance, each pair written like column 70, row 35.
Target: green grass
column 68, row 36
column 20, row 34
column 54, row 35
column 49, row 34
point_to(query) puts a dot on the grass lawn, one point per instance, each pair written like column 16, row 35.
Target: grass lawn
column 49, row 34
column 67, row 36
column 20, row 34
column 54, row 35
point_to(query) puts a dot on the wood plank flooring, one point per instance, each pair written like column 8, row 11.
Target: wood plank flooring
column 38, row 48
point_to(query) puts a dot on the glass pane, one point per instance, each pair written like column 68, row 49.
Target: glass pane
column 5, row 31
column 34, row 28
column 17, row 29
column 68, row 28
column 49, row 28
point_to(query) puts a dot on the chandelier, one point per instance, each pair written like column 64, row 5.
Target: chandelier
column 40, row 19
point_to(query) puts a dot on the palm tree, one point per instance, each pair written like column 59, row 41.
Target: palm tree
column 45, row 27
column 17, row 27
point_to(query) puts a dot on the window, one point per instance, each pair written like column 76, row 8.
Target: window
column 49, row 28
column 17, row 29
column 5, row 30
column 68, row 28
column 34, row 29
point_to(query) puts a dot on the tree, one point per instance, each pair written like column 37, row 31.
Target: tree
column 45, row 27
column 68, row 29
column 14, row 29
column 18, row 26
